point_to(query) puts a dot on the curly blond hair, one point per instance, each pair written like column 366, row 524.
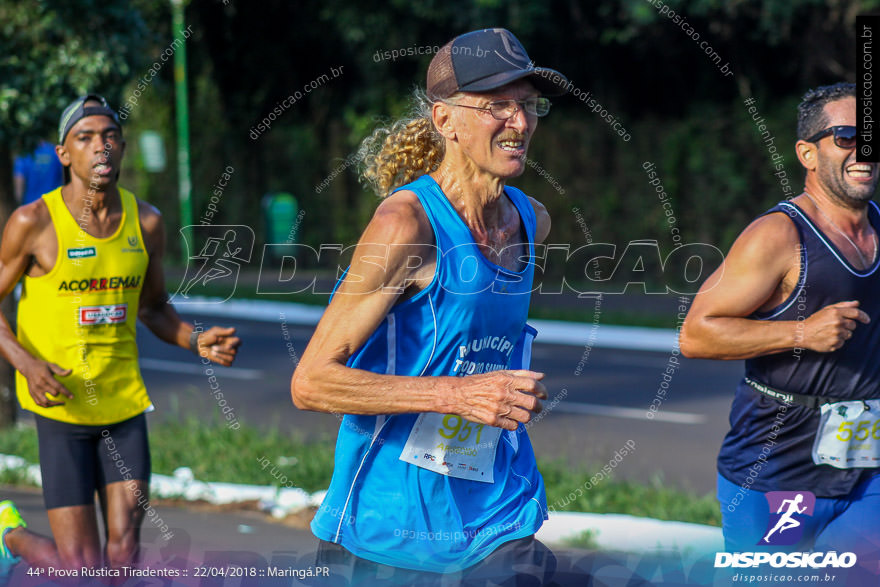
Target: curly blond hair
column 397, row 154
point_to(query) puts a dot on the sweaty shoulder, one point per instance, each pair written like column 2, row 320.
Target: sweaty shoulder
column 29, row 221
column 766, row 254
column 401, row 219
column 768, row 235
column 398, row 232
column 29, row 242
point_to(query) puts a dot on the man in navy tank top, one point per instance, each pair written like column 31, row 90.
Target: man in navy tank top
column 798, row 297
column 424, row 346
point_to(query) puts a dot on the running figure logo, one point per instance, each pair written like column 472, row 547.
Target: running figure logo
column 787, row 510
column 214, row 269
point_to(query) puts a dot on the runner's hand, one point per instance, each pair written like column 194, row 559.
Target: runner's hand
column 501, row 398
column 828, row 329
column 41, row 380
column 219, row 345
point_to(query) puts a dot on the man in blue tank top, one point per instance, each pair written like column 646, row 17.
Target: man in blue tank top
column 37, row 173
column 424, row 346
column 798, row 298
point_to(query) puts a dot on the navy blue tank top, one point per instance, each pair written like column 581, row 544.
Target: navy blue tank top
column 784, row 435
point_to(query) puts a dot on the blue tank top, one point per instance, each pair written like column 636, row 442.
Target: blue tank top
column 41, row 170
column 850, row 373
column 470, row 319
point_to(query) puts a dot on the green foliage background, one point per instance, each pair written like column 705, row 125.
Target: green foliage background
column 639, row 64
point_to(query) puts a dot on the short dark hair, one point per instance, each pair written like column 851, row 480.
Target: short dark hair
column 811, row 111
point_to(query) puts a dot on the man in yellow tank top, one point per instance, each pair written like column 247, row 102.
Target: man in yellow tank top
column 90, row 258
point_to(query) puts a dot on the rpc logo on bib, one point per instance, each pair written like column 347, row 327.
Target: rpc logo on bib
column 787, row 512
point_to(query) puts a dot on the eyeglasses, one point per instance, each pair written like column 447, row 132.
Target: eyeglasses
column 505, row 109
column 844, row 136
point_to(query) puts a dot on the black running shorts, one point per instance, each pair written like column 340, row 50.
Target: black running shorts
column 76, row 460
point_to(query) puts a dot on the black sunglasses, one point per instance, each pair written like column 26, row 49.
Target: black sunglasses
column 844, row 136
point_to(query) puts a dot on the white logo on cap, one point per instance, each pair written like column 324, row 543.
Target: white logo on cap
column 513, row 48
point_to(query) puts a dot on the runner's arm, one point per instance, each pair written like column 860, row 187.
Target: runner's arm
column 16, row 254
column 718, row 324
column 217, row 344
column 380, row 270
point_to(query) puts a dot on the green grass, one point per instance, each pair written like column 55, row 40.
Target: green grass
column 213, row 452
column 20, row 441
column 608, row 496
column 216, row 453
column 268, row 457
column 587, row 540
column 14, row 477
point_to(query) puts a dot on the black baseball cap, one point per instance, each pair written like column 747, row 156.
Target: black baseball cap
column 77, row 110
column 484, row 60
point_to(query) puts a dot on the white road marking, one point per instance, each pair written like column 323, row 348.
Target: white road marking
column 629, row 413
column 196, row 368
column 549, row 331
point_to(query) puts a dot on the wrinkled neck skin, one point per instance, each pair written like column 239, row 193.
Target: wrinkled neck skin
column 475, row 194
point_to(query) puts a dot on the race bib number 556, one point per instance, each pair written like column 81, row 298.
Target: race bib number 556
column 849, row 435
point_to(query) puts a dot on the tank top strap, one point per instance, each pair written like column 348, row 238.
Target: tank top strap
column 449, row 229
column 811, row 236
column 61, row 218
column 806, row 242
column 68, row 230
column 448, row 226
column 795, row 214
column 131, row 215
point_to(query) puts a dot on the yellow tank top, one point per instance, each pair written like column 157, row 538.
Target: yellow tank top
column 82, row 315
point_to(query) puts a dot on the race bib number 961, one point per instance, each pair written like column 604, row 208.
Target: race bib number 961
column 450, row 445
column 849, row 435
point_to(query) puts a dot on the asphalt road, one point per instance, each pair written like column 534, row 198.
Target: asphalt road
column 603, row 399
column 199, row 536
column 600, row 400
column 205, row 541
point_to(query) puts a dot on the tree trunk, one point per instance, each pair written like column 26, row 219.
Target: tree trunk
column 7, row 373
